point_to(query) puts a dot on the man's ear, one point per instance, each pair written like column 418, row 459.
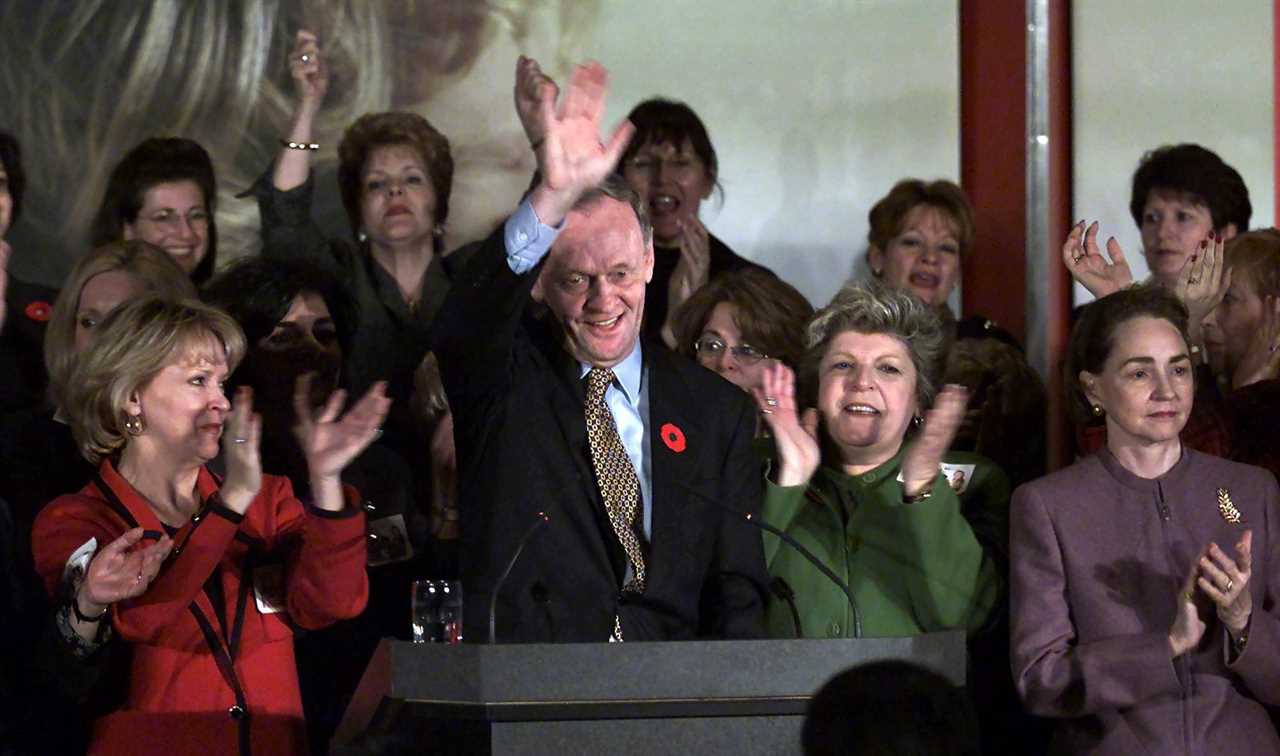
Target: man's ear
column 537, row 294
column 875, row 260
column 648, row 261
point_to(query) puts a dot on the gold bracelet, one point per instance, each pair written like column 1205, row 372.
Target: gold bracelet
column 305, row 146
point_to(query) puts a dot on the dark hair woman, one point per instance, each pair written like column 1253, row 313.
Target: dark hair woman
column 395, row 173
column 163, row 192
column 1144, row 586
column 671, row 163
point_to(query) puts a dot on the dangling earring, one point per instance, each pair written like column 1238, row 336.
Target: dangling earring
column 1097, row 410
column 916, row 422
column 361, row 236
column 438, row 231
column 134, row 425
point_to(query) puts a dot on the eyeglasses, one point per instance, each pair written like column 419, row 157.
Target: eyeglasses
column 172, row 220
column 711, row 347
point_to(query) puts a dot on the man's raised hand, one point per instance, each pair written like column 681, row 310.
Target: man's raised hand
column 572, row 158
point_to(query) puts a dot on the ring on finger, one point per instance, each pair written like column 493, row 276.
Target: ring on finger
column 139, row 576
column 1230, row 584
column 771, row 401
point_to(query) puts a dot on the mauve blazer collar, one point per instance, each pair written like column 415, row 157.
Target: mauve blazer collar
column 1175, row 476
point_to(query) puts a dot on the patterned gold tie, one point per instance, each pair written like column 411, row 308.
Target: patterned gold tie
column 619, row 485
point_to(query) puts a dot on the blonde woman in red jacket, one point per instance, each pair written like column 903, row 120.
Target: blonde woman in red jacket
column 212, row 665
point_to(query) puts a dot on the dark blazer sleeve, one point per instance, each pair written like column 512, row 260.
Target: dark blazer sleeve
column 289, row 233
column 477, row 326
column 739, row 575
column 1259, row 665
column 1056, row 675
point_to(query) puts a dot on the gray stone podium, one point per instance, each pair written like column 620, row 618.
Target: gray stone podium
column 705, row 697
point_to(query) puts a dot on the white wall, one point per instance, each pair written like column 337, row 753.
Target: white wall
column 815, row 108
column 1155, row 72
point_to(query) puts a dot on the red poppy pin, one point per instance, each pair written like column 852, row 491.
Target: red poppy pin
column 673, row 437
column 39, row 311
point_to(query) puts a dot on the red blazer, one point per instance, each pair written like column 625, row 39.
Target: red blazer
column 206, row 678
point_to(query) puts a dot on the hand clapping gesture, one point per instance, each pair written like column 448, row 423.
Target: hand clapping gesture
column 694, row 266
column 571, row 157
column 1100, row 275
column 240, row 442
column 116, row 574
column 1225, row 583
column 923, row 459
column 330, row 439
column 795, row 437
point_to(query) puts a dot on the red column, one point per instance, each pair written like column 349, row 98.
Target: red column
column 994, row 79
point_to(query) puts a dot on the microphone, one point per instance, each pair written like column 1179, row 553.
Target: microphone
column 793, row 543
column 782, row 590
column 539, row 520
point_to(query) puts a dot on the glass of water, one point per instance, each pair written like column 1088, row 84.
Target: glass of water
column 437, row 611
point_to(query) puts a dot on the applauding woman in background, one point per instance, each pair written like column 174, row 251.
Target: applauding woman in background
column 1144, row 586
column 917, row 556
column 211, row 669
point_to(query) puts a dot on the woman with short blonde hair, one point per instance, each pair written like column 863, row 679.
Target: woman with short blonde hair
column 146, row 401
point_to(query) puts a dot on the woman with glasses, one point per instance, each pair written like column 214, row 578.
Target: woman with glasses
column 672, row 165
column 738, row 321
column 164, row 193
column 863, row 480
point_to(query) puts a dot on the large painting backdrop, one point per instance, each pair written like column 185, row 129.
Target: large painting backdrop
column 815, row 108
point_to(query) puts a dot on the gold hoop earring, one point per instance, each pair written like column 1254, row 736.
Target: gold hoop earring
column 134, row 425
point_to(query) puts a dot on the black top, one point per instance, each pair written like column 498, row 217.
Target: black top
column 723, row 260
column 23, row 380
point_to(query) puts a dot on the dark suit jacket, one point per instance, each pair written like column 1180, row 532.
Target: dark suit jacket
column 522, row 447
column 23, row 379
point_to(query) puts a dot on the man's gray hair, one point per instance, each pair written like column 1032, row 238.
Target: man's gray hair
column 876, row 308
column 615, row 187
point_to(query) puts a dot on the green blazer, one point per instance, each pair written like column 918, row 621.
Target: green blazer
column 912, row 568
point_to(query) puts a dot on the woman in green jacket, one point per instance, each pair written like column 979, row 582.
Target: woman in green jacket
column 918, row 534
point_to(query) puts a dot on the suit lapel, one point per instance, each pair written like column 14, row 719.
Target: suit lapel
column 675, row 439
column 566, row 396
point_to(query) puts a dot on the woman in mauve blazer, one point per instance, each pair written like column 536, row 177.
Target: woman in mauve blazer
column 1144, row 578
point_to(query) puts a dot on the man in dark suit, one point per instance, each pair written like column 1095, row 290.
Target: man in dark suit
column 635, row 469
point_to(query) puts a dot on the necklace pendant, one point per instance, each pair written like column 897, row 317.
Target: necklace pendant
column 1226, row 508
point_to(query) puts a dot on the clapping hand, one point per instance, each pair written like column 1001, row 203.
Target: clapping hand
column 923, row 459
column 1101, row 276
column 694, row 266
column 241, row 437
column 796, row 437
column 116, row 574
column 1226, row 582
column 1188, row 628
column 329, row 438
column 572, row 158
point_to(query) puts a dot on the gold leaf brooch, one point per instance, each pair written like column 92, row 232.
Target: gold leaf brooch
column 1226, row 508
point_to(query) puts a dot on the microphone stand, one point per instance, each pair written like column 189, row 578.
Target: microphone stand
column 540, row 520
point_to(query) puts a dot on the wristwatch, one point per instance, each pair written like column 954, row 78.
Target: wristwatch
column 916, row 498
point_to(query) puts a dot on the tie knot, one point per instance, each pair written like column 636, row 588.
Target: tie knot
column 598, row 382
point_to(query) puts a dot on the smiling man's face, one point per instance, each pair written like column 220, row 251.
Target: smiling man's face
column 594, row 281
